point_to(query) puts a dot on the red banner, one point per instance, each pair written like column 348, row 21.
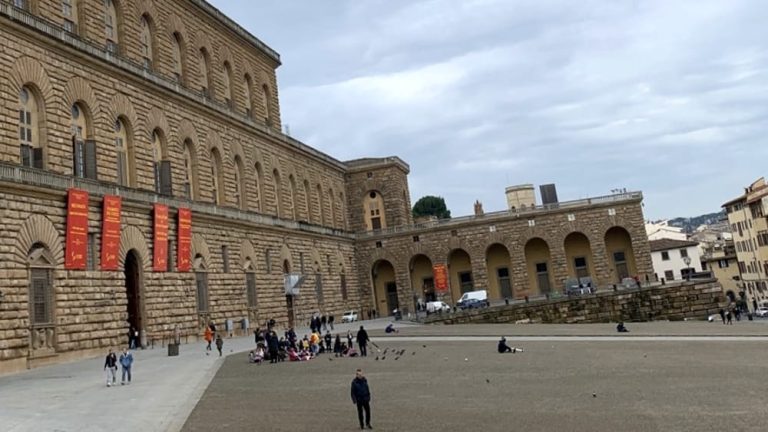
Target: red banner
column 184, row 240
column 76, row 244
column 110, row 232
column 160, row 261
column 440, row 273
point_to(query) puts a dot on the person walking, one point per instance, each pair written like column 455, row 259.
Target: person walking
column 324, row 322
column 213, row 329
column 362, row 341
column 131, row 339
column 208, row 336
column 219, row 343
column 361, row 396
column 729, row 317
column 722, row 315
column 330, row 322
column 110, row 366
column 126, row 361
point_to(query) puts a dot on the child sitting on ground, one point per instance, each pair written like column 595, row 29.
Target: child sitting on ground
column 257, row 355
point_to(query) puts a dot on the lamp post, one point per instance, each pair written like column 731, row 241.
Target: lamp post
column 687, row 261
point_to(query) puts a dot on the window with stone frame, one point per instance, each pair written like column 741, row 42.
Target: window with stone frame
column 292, row 197
column 206, row 86
column 265, row 98
column 259, row 187
column 240, row 188
column 248, row 95
column 177, row 48
column 190, row 170
column 146, row 38
column 161, row 167
column 69, row 10
column 669, row 275
column 465, row 282
column 227, row 80
column 83, row 147
column 374, row 211
column 217, row 177
column 111, row 31
column 31, row 153
column 41, row 291
column 121, row 150
column 683, row 253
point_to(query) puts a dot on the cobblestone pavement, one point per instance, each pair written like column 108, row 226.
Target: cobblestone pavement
column 572, row 384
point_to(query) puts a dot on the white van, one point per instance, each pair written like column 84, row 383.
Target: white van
column 473, row 299
column 437, row 306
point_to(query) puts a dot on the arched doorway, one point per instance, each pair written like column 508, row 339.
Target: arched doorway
column 460, row 273
column 289, row 297
column 537, row 262
column 133, row 283
column 384, row 287
column 422, row 279
column 618, row 246
column 498, row 263
column 578, row 257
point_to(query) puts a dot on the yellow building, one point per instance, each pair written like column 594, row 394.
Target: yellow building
column 723, row 263
column 746, row 215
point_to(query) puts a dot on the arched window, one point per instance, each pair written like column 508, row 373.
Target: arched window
column 42, row 301
column 146, row 37
column 292, row 197
column 179, row 58
column 320, row 204
column 228, row 97
column 83, row 146
column 71, row 13
column 29, row 129
column 112, row 30
column 373, row 206
column 278, row 193
column 217, row 177
column 190, row 170
column 331, row 211
column 259, row 187
column 266, row 101
column 307, row 201
column 124, row 150
column 162, row 166
column 248, row 96
column 206, row 86
column 240, row 190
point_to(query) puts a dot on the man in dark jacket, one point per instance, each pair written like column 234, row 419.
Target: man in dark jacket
column 362, row 341
column 361, row 396
column 273, row 345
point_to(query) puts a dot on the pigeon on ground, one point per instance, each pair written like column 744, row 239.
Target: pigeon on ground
column 423, row 346
column 487, row 380
column 377, row 358
column 330, row 359
column 594, row 395
column 383, row 358
column 413, row 353
column 397, row 358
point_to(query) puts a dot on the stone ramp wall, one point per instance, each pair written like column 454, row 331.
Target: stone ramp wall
column 695, row 300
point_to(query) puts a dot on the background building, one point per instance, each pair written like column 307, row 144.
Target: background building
column 674, row 259
column 170, row 110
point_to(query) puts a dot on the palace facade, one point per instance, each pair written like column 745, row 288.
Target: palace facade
column 171, row 109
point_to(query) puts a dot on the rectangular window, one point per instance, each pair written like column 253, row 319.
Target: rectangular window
column 669, row 275
column 416, row 239
column 742, row 267
column 41, row 294
column 465, row 281
column 664, row 255
column 202, row 292
column 723, row 264
column 225, row 258
column 250, row 287
column 66, row 8
column 319, row 287
column 91, row 256
column 21, row 4
column 344, row 294
column 683, row 253
column 580, row 265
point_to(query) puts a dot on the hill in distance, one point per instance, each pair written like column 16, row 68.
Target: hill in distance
column 691, row 223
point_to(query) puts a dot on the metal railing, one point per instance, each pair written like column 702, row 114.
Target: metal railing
column 504, row 214
column 103, row 53
column 14, row 173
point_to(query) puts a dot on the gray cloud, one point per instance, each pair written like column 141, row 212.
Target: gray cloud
column 666, row 97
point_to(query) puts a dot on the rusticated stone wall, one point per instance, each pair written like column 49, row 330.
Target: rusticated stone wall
column 695, row 300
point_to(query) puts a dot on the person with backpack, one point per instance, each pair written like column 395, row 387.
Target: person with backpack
column 126, row 361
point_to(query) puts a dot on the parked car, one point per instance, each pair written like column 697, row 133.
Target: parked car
column 473, row 299
column 437, row 306
column 349, row 316
column 762, row 312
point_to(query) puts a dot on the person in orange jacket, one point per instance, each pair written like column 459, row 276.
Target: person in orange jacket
column 208, row 337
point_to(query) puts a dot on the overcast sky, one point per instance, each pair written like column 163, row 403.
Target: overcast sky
column 667, row 97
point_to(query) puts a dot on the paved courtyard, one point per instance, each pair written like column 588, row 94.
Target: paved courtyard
column 662, row 376
column 589, row 384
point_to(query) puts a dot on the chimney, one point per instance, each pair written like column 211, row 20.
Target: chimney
column 479, row 208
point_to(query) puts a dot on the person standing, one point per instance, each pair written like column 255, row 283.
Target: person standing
column 337, row 346
column 361, row 396
column 328, row 341
column 722, row 315
column 110, row 366
column 273, row 345
column 362, row 341
column 126, row 361
column 349, row 338
column 324, row 322
column 219, row 343
column 208, row 336
column 131, row 340
column 330, row 322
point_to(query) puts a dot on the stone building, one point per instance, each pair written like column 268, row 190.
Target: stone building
column 171, row 109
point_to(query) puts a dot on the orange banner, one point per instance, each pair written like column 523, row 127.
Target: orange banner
column 110, row 232
column 160, row 257
column 76, row 243
column 184, row 240
column 440, row 273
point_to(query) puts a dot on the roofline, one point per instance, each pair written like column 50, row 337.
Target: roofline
column 740, row 198
column 237, row 28
column 356, row 165
column 683, row 243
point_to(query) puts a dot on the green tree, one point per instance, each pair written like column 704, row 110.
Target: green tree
column 431, row 206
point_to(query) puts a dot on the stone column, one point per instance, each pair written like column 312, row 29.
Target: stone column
column 518, row 272
column 557, row 263
column 602, row 272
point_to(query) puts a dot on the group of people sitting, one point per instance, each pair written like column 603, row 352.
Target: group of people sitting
column 269, row 347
